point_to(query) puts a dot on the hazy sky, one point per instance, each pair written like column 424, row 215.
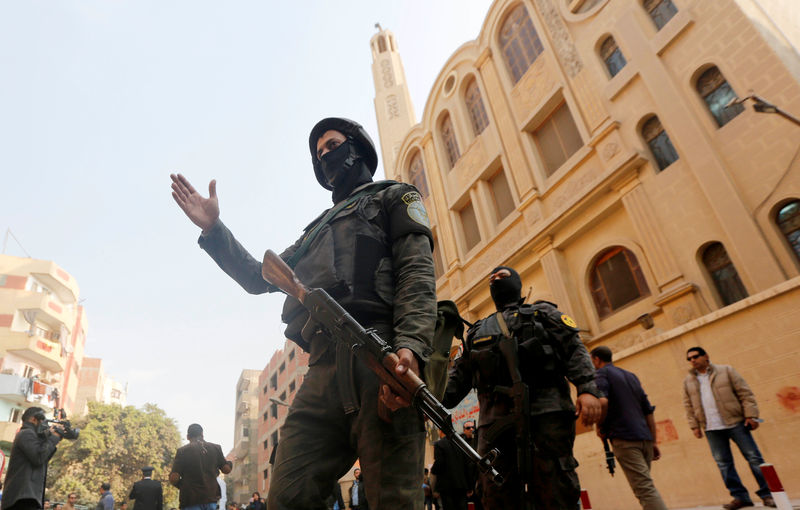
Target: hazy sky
column 101, row 100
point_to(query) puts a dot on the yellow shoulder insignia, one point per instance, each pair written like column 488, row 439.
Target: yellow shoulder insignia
column 569, row 321
column 481, row 340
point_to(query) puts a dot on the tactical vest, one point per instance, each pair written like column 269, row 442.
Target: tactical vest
column 351, row 258
column 538, row 329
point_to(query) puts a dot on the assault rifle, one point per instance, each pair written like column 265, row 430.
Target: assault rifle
column 519, row 393
column 375, row 352
column 610, row 462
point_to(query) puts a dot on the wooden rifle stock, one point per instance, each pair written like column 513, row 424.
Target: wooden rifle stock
column 275, row 271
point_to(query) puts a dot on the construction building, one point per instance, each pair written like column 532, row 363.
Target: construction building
column 277, row 386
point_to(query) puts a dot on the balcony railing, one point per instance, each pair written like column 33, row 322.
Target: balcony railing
column 42, row 352
column 26, row 392
column 48, row 309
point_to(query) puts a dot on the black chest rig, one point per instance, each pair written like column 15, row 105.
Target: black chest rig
column 349, row 257
column 539, row 353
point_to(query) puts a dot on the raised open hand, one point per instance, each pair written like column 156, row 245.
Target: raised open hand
column 203, row 212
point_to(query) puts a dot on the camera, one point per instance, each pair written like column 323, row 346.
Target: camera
column 66, row 431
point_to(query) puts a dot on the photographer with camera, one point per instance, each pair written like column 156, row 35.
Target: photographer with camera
column 33, row 447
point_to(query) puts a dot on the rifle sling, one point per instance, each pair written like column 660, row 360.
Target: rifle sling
column 516, row 375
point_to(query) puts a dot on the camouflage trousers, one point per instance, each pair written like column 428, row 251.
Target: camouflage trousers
column 554, row 482
column 319, row 442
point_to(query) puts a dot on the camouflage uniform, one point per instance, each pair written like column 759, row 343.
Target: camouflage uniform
column 549, row 350
column 374, row 258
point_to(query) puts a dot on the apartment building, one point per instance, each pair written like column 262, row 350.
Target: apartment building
column 277, row 386
column 97, row 386
column 42, row 337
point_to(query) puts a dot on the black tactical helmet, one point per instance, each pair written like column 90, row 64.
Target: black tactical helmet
column 350, row 129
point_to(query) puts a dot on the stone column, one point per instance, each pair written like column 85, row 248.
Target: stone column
column 561, row 282
column 651, row 237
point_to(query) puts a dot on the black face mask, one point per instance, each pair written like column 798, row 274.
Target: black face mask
column 506, row 291
column 344, row 169
column 334, row 164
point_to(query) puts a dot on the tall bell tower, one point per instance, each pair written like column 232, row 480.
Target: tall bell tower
column 393, row 107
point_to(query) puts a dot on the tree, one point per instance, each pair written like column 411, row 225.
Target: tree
column 115, row 443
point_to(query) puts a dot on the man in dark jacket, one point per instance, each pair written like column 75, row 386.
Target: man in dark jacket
column 630, row 425
column 451, row 474
column 335, row 501
column 195, row 470
column 147, row 492
column 358, row 496
column 33, row 447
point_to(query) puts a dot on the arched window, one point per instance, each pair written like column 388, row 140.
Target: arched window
column 519, row 41
column 477, row 113
column 723, row 274
column 658, row 141
column 381, row 44
column 449, row 139
column 788, row 220
column 612, row 56
column 660, row 11
column 416, row 174
column 717, row 93
column 581, row 6
column 616, row 280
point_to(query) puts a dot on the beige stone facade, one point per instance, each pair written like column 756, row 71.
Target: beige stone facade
column 596, row 147
column 243, row 478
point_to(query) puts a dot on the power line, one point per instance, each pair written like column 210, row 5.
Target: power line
column 5, row 243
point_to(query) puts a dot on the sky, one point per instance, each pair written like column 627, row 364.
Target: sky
column 101, row 100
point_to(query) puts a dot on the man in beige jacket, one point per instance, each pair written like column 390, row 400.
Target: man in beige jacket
column 718, row 400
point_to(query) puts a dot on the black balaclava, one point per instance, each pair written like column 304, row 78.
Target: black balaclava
column 506, row 291
column 344, row 169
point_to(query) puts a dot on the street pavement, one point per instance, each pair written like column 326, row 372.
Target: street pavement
column 795, row 505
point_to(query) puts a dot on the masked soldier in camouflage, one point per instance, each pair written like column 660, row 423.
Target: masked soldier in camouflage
column 372, row 253
column 548, row 350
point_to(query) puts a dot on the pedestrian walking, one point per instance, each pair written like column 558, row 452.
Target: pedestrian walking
column 147, row 493
column 195, row 470
column 630, row 425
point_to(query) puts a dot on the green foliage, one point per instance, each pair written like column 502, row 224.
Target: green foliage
column 6, row 447
column 114, row 444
